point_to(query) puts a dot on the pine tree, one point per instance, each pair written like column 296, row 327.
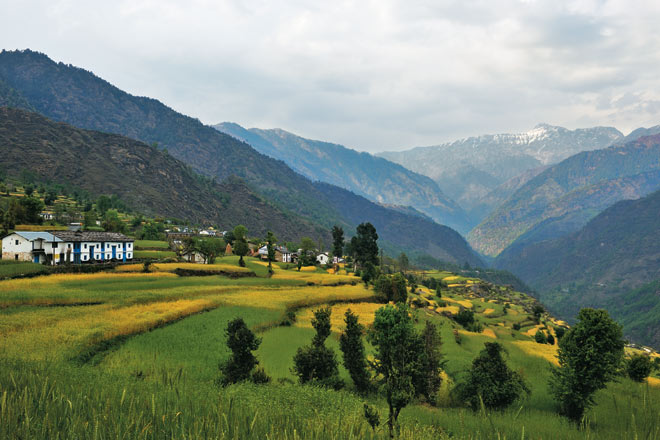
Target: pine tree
column 352, row 347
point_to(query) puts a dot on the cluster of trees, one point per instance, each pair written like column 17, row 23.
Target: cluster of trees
column 25, row 210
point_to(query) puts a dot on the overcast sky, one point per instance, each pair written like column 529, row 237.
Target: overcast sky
column 372, row 75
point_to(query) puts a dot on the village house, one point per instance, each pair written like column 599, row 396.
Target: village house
column 193, row 256
column 56, row 247
column 282, row 254
column 323, row 258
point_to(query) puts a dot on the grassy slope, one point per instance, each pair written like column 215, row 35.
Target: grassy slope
column 158, row 383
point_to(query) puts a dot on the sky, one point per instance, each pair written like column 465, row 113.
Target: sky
column 371, row 75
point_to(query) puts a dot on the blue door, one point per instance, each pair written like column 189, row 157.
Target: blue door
column 36, row 258
column 114, row 252
column 76, row 253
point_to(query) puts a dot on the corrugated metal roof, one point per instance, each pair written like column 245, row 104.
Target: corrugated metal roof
column 90, row 236
column 37, row 235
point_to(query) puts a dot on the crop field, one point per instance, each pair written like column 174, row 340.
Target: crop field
column 10, row 268
column 151, row 244
column 155, row 255
column 128, row 354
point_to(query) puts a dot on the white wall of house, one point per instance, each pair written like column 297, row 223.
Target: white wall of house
column 15, row 247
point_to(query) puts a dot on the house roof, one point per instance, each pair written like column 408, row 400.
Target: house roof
column 90, row 236
column 34, row 235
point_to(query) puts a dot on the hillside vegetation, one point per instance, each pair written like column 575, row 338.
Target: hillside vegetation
column 372, row 177
column 147, row 179
column 580, row 186
column 135, row 355
column 616, row 252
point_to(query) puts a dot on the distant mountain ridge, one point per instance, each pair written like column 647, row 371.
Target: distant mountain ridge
column 585, row 183
column 613, row 262
column 372, row 177
column 468, row 169
column 78, row 97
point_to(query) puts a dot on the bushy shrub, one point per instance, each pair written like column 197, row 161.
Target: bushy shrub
column 391, row 288
column 540, row 337
column 639, row 367
column 490, row 381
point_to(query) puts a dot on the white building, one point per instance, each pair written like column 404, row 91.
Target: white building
column 55, row 247
column 282, row 254
column 323, row 258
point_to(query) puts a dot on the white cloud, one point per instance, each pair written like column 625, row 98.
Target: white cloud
column 372, row 75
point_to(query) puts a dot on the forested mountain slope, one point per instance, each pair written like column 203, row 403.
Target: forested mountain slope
column 580, row 186
column 372, row 177
column 147, row 179
column 616, row 252
column 421, row 234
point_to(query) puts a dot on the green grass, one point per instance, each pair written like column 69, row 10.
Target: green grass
column 151, row 244
column 10, row 269
column 194, row 346
column 160, row 383
column 157, row 255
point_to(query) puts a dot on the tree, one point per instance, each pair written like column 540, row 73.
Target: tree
column 90, row 219
column 540, row 337
column 153, row 231
column 240, row 246
column 404, row 264
column 229, row 237
column 589, row 356
column 317, row 363
column 365, row 245
column 560, row 331
column 350, row 343
column 103, row 203
column 50, row 197
column 538, row 311
column 32, row 207
column 490, row 381
column 391, row 288
column 270, row 246
column 242, row 342
column 307, row 247
column 210, row 248
column 396, row 359
column 112, row 222
column 639, row 367
column 369, row 273
column 427, row 379
column 28, row 190
column 337, row 241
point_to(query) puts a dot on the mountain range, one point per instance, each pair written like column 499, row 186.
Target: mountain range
column 469, row 169
column 372, row 177
column 613, row 262
column 73, row 95
column 571, row 193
